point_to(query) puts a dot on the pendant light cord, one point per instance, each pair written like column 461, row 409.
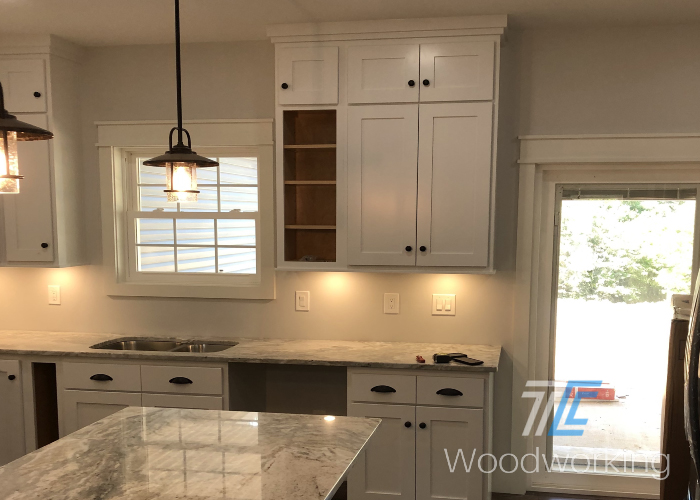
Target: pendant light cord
column 178, row 73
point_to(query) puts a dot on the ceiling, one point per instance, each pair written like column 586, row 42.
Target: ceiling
column 129, row 22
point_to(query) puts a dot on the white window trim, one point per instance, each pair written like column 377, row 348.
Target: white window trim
column 546, row 161
column 118, row 140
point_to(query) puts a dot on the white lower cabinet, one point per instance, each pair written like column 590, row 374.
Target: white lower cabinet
column 82, row 408
column 12, row 443
column 387, row 467
column 441, row 434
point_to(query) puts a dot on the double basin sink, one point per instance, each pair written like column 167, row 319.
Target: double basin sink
column 134, row 344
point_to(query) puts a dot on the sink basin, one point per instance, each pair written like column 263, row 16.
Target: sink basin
column 204, row 347
column 164, row 345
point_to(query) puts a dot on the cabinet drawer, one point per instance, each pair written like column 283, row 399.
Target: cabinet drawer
column 102, row 377
column 383, row 388
column 182, row 379
column 185, row 402
column 458, row 391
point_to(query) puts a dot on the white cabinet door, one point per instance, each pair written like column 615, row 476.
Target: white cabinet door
column 454, row 184
column 29, row 214
column 12, row 439
column 307, row 75
column 24, row 85
column 382, row 184
column 386, row 468
column 383, row 73
column 82, row 408
column 446, row 431
column 457, row 71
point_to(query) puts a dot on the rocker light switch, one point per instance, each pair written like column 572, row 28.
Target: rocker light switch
column 444, row 304
column 302, row 301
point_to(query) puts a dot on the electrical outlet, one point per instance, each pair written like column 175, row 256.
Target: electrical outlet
column 391, row 303
column 55, row 295
column 303, row 301
column 444, row 304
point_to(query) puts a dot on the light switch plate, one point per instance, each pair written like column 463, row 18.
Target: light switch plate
column 55, row 295
column 303, row 301
column 444, row 304
column 391, row 303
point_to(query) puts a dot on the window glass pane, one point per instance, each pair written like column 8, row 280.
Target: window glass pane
column 195, row 232
column 239, row 170
column 237, row 260
column 195, row 260
column 153, row 197
column 158, row 231
column 236, row 232
column 151, row 175
column 206, row 201
column 156, row 259
column 242, row 198
column 207, row 175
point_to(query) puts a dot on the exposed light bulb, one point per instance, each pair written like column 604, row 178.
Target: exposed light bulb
column 181, row 180
column 9, row 166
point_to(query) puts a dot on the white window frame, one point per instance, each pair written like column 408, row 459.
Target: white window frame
column 120, row 144
column 545, row 163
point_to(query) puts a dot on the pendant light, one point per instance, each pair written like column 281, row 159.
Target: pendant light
column 180, row 161
column 11, row 131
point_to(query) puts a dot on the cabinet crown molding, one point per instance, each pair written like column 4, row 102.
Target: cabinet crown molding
column 19, row 45
column 389, row 28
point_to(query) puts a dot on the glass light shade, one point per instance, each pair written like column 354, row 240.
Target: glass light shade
column 181, row 182
column 9, row 166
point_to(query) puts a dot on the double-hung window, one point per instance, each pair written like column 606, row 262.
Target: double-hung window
column 212, row 237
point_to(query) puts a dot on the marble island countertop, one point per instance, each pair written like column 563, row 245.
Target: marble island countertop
column 279, row 351
column 153, row 453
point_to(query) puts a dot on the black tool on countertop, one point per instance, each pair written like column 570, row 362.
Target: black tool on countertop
column 457, row 357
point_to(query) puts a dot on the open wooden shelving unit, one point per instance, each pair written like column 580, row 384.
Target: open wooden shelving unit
column 310, row 185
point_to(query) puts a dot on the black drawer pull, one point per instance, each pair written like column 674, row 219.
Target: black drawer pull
column 382, row 388
column 101, row 377
column 180, row 381
column 449, row 392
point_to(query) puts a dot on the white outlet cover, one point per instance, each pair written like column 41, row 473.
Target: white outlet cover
column 302, row 301
column 444, row 304
column 391, row 303
column 55, row 295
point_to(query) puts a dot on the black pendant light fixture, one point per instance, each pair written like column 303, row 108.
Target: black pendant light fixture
column 11, row 131
column 180, row 161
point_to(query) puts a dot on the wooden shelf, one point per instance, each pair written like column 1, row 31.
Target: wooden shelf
column 310, row 146
column 310, row 183
column 309, row 226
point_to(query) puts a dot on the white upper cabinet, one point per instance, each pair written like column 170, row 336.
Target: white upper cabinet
column 454, row 184
column 382, row 177
column 383, row 73
column 307, row 75
column 457, row 71
column 24, row 85
column 29, row 214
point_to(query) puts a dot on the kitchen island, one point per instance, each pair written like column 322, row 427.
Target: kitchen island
column 157, row 453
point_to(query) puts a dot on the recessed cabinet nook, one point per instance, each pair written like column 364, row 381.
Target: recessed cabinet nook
column 386, row 144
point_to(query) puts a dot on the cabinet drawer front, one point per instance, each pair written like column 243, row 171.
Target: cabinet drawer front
column 383, row 388
column 456, row 391
column 185, row 402
column 96, row 376
column 182, row 379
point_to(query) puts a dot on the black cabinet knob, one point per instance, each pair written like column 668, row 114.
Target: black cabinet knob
column 409, row 248
column 285, row 86
column 407, row 424
column 12, row 377
column 37, row 94
column 44, row 245
column 426, row 82
column 423, row 248
column 422, row 425
column 411, row 83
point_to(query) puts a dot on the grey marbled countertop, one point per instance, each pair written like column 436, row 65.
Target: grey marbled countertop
column 281, row 351
column 154, row 453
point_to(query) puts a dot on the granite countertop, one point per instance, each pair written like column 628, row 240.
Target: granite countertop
column 154, row 453
column 279, row 351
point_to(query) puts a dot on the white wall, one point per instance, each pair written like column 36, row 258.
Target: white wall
column 553, row 82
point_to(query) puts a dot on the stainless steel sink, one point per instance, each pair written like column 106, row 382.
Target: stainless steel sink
column 134, row 344
column 204, row 347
